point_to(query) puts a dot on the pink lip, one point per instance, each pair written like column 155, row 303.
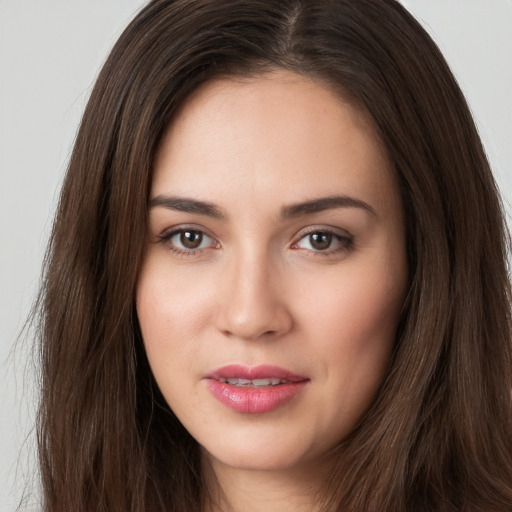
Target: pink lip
column 254, row 399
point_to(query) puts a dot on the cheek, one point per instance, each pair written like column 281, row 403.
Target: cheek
column 353, row 322
column 359, row 305
column 352, row 328
column 172, row 308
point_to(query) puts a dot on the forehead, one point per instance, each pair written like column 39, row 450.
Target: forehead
column 278, row 130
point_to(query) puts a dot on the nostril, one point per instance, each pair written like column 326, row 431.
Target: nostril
column 252, row 309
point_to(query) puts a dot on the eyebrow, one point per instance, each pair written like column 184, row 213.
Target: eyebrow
column 183, row 204
column 312, row 206
column 324, row 203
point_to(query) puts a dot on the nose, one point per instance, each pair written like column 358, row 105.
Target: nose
column 253, row 302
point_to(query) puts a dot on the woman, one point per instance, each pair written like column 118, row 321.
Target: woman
column 277, row 277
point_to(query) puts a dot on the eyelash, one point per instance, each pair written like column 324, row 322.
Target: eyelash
column 345, row 242
column 166, row 238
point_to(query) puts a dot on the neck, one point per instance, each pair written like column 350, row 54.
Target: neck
column 252, row 490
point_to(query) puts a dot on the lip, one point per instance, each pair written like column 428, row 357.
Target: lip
column 263, row 371
column 254, row 400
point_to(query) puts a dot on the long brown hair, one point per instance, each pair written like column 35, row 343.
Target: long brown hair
column 437, row 437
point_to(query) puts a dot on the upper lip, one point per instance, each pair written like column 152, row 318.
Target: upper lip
column 254, row 372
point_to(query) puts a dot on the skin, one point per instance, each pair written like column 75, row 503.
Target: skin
column 259, row 290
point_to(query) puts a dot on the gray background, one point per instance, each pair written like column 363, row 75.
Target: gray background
column 50, row 54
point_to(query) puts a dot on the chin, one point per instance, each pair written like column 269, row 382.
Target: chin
column 269, row 459
column 270, row 452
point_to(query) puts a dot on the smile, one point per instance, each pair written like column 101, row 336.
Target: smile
column 253, row 383
column 254, row 390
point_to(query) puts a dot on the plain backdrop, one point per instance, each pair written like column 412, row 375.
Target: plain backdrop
column 50, row 54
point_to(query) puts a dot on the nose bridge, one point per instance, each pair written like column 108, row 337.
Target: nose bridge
column 253, row 303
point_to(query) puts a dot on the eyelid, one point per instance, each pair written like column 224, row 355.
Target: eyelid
column 165, row 238
column 344, row 237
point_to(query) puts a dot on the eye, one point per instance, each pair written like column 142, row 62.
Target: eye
column 186, row 240
column 323, row 241
column 189, row 239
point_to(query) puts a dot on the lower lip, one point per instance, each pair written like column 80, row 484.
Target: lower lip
column 254, row 400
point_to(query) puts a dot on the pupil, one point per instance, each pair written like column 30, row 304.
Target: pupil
column 191, row 239
column 320, row 241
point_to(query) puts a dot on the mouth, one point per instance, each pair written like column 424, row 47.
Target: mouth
column 257, row 389
column 253, row 383
column 260, row 376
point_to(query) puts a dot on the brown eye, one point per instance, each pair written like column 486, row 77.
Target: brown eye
column 188, row 241
column 320, row 241
column 191, row 239
column 324, row 242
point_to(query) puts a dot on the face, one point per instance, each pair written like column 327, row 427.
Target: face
column 274, row 272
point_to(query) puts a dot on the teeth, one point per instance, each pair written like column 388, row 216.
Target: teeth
column 262, row 382
column 256, row 383
column 239, row 382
